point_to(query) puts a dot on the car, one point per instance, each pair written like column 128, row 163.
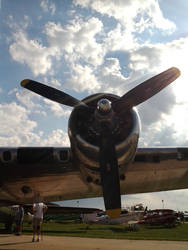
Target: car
column 160, row 217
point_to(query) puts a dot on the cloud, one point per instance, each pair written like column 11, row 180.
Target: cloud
column 171, row 200
column 75, row 41
column 146, row 57
column 120, row 38
column 56, row 138
column 131, row 14
column 23, row 24
column 77, row 38
column 48, row 6
column 84, row 44
column 16, row 127
column 159, row 114
column 31, row 53
column 27, row 98
column 57, row 109
column 54, row 82
column 110, row 77
column 105, row 78
column 82, row 79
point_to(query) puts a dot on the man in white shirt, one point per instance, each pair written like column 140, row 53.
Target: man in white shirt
column 38, row 210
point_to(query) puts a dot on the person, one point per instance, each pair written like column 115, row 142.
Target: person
column 19, row 219
column 38, row 211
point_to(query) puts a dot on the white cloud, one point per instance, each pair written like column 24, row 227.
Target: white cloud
column 163, row 115
column 56, row 138
column 14, row 114
column 131, row 14
column 16, row 128
column 158, row 20
column 160, row 56
column 146, row 57
column 57, row 109
column 31, row 53
column 48, row 6
column 82, row 79
column 176, row 200
column 77, row 39
column 110, row 77
column 54, row 82
column 120, row 39
column 51, row 81
column 24, row 24
column 27, row 98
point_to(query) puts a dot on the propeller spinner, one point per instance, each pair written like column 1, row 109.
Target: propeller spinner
column 104, row 106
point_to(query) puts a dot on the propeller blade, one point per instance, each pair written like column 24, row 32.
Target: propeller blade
column 146, row 89
column 109, row 172
column 50, row 93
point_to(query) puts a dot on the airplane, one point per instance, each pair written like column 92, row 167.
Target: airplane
column 94, row 218
column 7, row 214
column 103, row 159
column 57, row 209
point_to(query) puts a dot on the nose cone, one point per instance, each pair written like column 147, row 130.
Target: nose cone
column 104, row 105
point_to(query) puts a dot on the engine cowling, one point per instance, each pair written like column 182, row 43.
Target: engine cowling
column 84, row 133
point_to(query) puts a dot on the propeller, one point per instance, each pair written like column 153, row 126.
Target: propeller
column 109, row 172
column 107, row 154
column 51, row 93
column 145, row 90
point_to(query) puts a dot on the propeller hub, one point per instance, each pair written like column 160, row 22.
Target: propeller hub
column 104, row 105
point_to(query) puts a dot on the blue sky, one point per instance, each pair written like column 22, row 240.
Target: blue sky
column 83, row 47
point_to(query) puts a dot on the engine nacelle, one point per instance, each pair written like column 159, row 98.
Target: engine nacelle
column 84, row 136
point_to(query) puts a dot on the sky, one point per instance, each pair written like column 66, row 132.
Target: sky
column 84, row 47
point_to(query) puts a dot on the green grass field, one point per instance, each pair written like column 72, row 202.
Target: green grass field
column 68, row 228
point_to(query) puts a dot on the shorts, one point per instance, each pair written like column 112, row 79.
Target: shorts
column 37, row 222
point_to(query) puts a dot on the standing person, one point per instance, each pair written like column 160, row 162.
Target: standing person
column 19, row 219
column 38, row 210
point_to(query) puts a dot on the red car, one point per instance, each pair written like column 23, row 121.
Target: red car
column 160, row 217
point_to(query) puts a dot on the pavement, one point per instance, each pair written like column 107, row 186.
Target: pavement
column 14, row 242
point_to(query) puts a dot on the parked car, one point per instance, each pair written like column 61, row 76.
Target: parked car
column 160, row 217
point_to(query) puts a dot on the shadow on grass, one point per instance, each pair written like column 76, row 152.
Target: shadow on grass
column 58, row 231
column 124, row 230
column 15, row 243
column 5, row 231
column 101, row 228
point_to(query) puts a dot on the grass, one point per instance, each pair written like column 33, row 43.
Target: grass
column 69, row 228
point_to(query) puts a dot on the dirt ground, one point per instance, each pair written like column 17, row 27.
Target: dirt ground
column 13, row 242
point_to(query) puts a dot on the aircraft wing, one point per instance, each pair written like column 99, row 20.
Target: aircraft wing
column 46, row 172
column 56, row 209
column 53, row 174
column 157, row 169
